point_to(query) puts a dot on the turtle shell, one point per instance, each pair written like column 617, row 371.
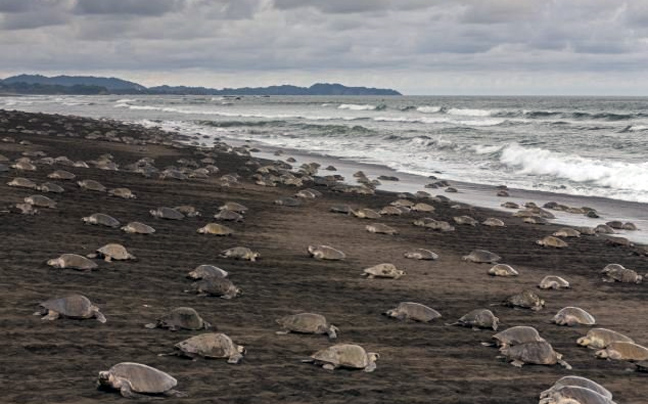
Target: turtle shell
column 416, row 311
column 143, row 378
column 344, row 355
column 536, row 352
column 77, row 306
column 602, row 337
column 482, row 256
column 309, row 323
column 182, row 317
column 41, row 201
column 105, row 220
column 518, row 335
column 208, row 345
column 480, row 318
column 214, row 286
column 92, row 185
column 578, row 381
column 207, row 271
column 168, row 213
column 115, row 251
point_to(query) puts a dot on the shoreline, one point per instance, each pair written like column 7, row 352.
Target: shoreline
column 419, row 361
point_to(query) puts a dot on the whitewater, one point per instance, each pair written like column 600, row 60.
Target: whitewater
column 569, row 145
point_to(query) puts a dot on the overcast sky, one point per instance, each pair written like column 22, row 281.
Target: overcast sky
column 415, row 46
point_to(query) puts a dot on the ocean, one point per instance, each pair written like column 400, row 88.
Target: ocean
column 578, row 146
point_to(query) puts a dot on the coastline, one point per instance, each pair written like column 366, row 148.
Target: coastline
column 419, row 362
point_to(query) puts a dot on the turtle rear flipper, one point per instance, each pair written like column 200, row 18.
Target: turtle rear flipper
column 51, row 315
column 127, row 392
column 175, row 393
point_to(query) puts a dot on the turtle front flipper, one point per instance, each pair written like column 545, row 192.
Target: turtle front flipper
column 51, row 315
column 370, row 367
column 332, row 332
column 329, row 366
column 235, row 359
column 99, row 316
column 127, row 392
column 517, row 363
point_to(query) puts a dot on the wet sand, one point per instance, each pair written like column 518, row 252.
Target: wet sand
column 58, row 361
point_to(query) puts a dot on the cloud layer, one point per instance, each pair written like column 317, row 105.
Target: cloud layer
column 416, row 46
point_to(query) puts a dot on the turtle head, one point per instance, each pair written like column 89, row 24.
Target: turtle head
column 98, row 315
column 583, row 341
column 239, row 292
column 202, row 230
column 602, row 354
column 54, row 262
column 466, row 257
column 496, row 321
column 193, row 274
column 254, row 256
column 241, row 349
column 401, row 273
column 639, row 279
column 86, row 219
column 332, row 332
column 105, row 378
column 390, row 313
column 154, row 212
column 373, row 356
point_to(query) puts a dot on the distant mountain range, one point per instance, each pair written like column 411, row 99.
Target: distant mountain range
column 90, row 85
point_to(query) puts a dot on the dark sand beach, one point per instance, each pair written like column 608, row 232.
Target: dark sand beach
column 58, row 361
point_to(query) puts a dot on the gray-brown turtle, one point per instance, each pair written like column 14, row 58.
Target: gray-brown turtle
column 219, row 287
column 519, row 334
column 228, row 216
column 423, row 207
column 554, row 282
column 25, row 209
column 567, row 232
column 391, row 211
column 240, row 253
column 61, row 175
column 383, row 271
column 573, row 395
column 188, row 210
column 493, row 222
column 421, row 254
column 324, row 252
column 465, row 220
column 365, row 213
column 234, row 207
column 138, row 381
column 503, row 270
column 618, row 241
column 526, row 300
column 572, row 316
column 207, row 271
column 536, row 352
column 50, row 187
column 73, row 306
column 604, row 229
column 24, row 166
column 577, row 381
column 551, row 241
column 20, row 182
column 481, row 257
column 123, row 193
column 91, row 185
column 479, row 318
column 166, row 213
column 599, row 338
column 381, row 228
column 138, row 228
column 626, row 351
column 181, row 318
column 413, row 311
column 72, row 261
column 216, row 229
column 211, row 346
column 40, row 201
column 307, row 323
column 618, row 273
column 348, row 356
column 101, row 219
column 113, row 252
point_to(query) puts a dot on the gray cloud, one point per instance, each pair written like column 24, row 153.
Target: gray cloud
column 418, row 45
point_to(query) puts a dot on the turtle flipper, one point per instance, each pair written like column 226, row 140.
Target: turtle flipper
column 127, row 392
column 370, row 367
column 176, row 393
column 51, row 315
column 328, row 366
column 236, row 358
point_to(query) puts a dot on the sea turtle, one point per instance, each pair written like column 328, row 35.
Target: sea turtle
column 567, row 232
column 240, row 253
column 502, row 193
column 604, row 229
column 166, row 213
column 536, row 352
column 553, row 282
column 101, row 219
column 618, row 273
column 91, row 185
column 503, row 270
column 173, row 174
column 219, row 287
column 403, row 203
column 124, row 193
column 381, row 229
column 228, row 215
column 551, row 241
column 207, row 271
column 73, row 261
column 211, row 346
column 510, row 205
column 451, row 189
column 526, row 300
column 627, row 351
column 599, row 338
column 574, row 395
column 421, row 254
column 615, row 224
column 324, row 252
column 465, row 220
column 573, row 316
column 216, row 229
column 383, row 271
column 629, row 226
column 535, row 220
column 481, row 257
column 234, row 207
column 413, row 311
column 618, row 241
column 307, row 323
column 138, row 228
column 365, row 213
column 73, row 306
column 40, row 201
column 135, row 380
column 577, row 381
column 26, row 209
column 50, row 187
column 432, row 224
column 588, row 231
column 479, row 318
column 289, row 202
column 24, row 166
column 21, row 182
column 423, row 207
column 308, row 194
column 345, row 209
column 391, row 211
column 188, row 210
column 61, row 175
column 113, row 252
column 344, row 356
column 519, row 334
column 493, row 222
column 181, row 318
